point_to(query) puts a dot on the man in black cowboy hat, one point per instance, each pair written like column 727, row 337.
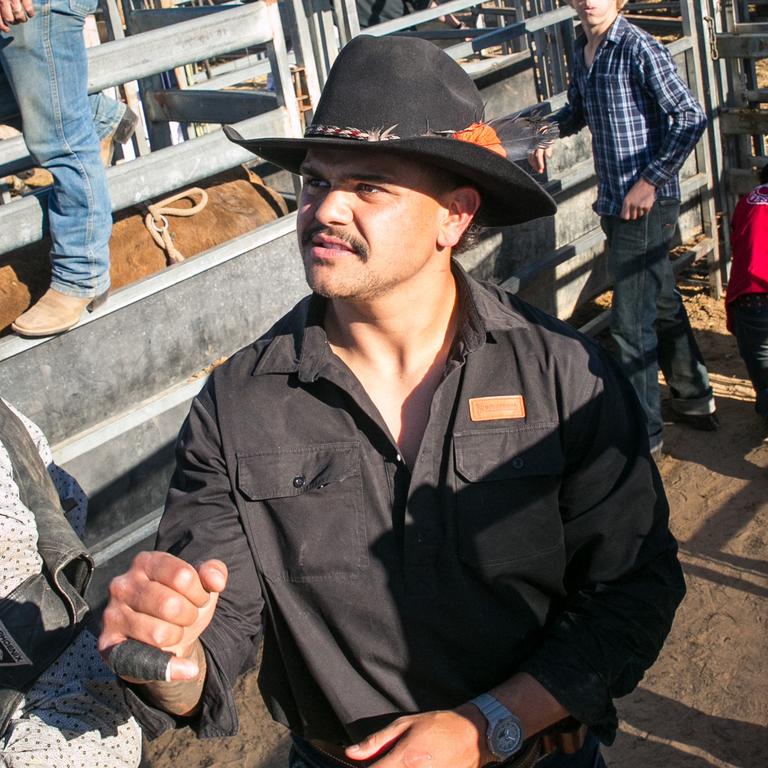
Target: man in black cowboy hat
column 434, row 502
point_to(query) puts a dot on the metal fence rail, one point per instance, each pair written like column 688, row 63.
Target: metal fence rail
column 159, row 50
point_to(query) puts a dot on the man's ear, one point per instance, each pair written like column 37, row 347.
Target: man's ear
column 462, row 204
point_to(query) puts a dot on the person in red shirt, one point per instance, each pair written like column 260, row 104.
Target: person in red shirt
column 746, row 299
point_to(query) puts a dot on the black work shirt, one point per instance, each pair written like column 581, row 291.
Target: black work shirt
column 530, row 535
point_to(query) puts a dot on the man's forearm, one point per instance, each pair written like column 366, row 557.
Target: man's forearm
column 181, row 697
column 527, row 698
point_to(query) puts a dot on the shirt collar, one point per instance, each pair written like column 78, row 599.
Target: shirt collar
column 618, row 29
column 298, row 344
column 615, row 32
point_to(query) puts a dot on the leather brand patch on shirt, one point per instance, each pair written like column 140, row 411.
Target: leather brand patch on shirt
column 500, row 407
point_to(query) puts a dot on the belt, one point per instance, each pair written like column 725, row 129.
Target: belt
column 332, row 752
column 754, row 300
column 336, row 751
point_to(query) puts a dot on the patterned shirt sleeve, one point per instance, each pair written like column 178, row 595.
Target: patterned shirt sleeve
column 658, row 75
column 570, row 118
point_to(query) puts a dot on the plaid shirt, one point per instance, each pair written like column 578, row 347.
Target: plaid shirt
column 643, row 118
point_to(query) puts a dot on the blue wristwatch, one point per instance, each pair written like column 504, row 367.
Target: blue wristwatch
column 505, row 732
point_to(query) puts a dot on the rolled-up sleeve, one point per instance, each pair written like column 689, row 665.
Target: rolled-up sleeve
column 623, row 581
column 201, row 522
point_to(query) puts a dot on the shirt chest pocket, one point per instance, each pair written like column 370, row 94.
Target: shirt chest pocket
column 507, row 501
column 613, row 95
column 305, row 511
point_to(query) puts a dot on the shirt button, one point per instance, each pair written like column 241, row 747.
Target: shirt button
column 298, row 481
column 518, row 463
column 399, row 459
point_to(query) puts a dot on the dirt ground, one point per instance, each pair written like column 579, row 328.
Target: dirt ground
column 704, row 703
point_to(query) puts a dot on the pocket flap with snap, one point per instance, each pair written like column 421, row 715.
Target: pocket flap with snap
column 293, row 471
column 504, row 454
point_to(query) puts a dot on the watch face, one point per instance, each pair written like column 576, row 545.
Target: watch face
column 507, row 737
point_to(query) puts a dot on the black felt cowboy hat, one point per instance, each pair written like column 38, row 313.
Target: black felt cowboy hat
column 407, row 96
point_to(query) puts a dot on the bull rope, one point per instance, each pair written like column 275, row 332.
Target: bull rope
column 156, row 219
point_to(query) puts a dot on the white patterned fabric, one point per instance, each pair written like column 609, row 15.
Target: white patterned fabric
column 74, row 715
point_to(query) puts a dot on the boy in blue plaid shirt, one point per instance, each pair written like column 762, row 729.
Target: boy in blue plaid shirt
column 644, row 123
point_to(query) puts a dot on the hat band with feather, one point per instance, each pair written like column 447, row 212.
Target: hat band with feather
column 513, row 137
column 406, row 96
column 333, row 131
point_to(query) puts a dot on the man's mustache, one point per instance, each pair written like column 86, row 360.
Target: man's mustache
column 357, row 244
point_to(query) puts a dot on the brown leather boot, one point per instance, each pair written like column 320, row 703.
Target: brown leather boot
column 54, row 313
column 122, row 134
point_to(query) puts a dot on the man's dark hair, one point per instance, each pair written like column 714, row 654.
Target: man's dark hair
column 472, row 233
column 764, row 174
column 471, row 236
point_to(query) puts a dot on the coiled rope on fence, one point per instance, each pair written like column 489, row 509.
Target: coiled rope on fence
column 156, row 219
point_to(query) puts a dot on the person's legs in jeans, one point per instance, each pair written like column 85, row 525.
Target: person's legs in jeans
column 679, row 356
column 636, row 250
column 46, row 64
column 750, row 326
column 107, row 112
column 649, row 325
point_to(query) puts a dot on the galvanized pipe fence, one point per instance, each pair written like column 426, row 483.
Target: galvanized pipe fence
column 735, row 36
column 150, row 53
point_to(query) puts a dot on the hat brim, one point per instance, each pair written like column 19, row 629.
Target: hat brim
column 510, row 195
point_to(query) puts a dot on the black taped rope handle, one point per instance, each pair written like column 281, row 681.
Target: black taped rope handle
column 139, row 661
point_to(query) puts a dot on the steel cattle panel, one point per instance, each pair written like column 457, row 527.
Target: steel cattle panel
column 743, row 46
column 22, row 222
column 112, row 363
column 162, row 49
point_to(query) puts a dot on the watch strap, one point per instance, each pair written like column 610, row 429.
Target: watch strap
column 491, row 707
column 495, row 713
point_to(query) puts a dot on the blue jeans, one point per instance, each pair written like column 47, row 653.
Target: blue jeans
column 106, row 112
column 750, row 326
column 302, row 755
column 649, row 325
column 45, row 62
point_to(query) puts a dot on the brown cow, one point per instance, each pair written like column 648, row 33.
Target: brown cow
column 238, row 202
